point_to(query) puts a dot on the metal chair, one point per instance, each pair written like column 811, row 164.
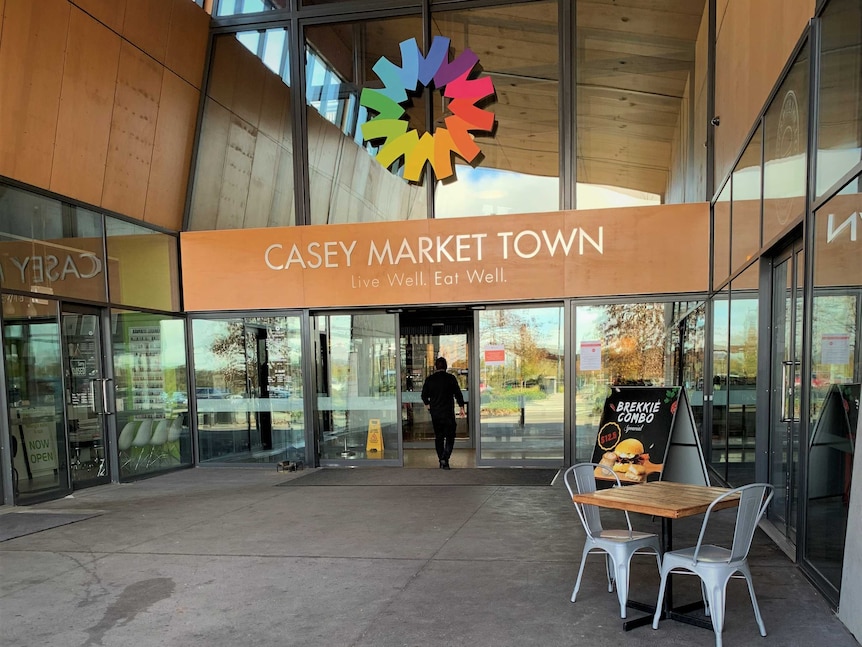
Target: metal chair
column 715, row 565
column 618, row 545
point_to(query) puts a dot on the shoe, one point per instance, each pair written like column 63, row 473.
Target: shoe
column 445, row 465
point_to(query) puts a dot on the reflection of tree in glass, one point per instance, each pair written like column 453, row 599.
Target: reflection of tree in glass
column 634, row 335
column 237, row 348
column 518, row 331
column 229, row 348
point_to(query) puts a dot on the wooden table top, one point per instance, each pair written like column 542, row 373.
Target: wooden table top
column 659, row 498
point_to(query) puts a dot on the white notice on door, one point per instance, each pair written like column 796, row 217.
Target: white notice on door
column 591, row 355
column 835, row 349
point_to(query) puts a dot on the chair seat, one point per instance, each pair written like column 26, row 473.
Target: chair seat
column 709, row 554
column 621, row 534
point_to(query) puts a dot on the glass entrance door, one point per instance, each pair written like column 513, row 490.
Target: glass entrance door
column 33, row 357
column 86, row 394
column 423, row 338
column 786, row 387
column 521, row 366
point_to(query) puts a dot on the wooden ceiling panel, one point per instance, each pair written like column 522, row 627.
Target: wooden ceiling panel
column 635, row 60
column 641, row 18
column 621, row 174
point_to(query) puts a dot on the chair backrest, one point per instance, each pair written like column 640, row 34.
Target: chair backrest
column 160, row 433
column 753, row 501
column 581, row 479
column 127, row 435
column 176, row 429
column 144, row 433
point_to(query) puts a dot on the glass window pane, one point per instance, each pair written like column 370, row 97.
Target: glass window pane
column 839, row 120
column 248, row 390
column 347, row 183
column 151, row 385
column 50, row 247
column 745, row 237
column 357, row 380
column 785, row 148
column 632, row 341
column 521, row 367
column 143, row 266
column 34, row 374
column 237, row 7
column 693, row 340
column 716, row 452
column 244, row 172
column 519, row 167
column 635, row 72
column 721, row 237
column 836, row 375
column 742, row 377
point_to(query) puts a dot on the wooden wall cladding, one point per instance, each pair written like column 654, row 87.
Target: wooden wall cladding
column 133, row 132
column 172, row 152
column 86, row 104
column 146, row 26
column 87, row 108
column 111, row 13
column 187, row 41
column 31, row 72
column 754, row 41
column 210, row 166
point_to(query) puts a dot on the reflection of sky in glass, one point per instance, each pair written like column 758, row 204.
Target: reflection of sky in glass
column 586, row 327
column 545, row 324
column 744, row 319
column 250, row 40
column 274, row 49
column 486, row 191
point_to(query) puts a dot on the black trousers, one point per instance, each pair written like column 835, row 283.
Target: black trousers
column 444, row 436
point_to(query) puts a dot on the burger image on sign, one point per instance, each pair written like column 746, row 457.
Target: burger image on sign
column 629, row 461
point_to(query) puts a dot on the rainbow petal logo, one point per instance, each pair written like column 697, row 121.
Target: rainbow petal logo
column 449, row 78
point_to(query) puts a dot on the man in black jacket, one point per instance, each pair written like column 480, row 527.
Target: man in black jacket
column 438, row 392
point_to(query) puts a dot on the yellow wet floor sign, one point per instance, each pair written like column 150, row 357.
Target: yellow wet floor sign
column 375, row 437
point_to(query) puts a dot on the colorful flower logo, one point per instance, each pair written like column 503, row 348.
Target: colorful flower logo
column 449, row 78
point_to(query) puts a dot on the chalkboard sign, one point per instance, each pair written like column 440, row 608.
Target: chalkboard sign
column 648, row 433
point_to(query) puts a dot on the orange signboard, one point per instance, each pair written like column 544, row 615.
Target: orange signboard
column 638, row 250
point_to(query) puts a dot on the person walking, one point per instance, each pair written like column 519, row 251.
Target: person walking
column 439, row 393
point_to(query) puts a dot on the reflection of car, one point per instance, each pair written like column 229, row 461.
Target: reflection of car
column 279, row 392
column 204, row 392
column 178, row 398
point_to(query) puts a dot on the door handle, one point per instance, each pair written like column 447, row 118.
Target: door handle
column 97, row 402
column 105, row 381
column 788, row 390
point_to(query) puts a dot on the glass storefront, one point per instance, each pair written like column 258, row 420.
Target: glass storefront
column 356, row 401
column 75, row 374
column 836, row 375
column 625, row 344
column 34, row 371
column 522, row 385
column 248, row 391
column 151, row 387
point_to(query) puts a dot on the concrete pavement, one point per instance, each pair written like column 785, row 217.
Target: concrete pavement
column 220, row 557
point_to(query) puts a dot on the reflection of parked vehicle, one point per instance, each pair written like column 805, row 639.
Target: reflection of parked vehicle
column 204, row 392
column 278, row 392
column 179, row 399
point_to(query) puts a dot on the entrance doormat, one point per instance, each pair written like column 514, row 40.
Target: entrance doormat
column 422, row 476
column 19, row 524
